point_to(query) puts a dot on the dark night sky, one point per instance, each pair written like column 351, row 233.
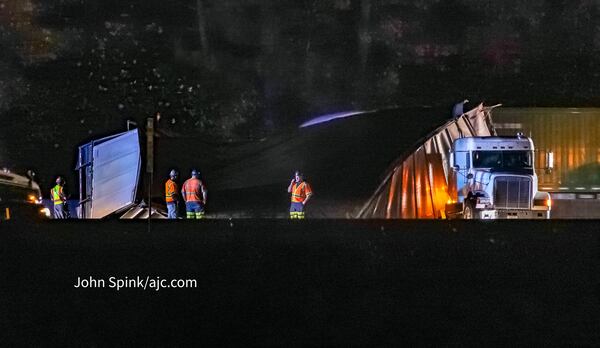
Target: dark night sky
column 71, row 70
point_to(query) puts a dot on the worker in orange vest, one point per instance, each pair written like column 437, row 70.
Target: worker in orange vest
column 301, row 193
column 172, row 195
column 194, row 195
column 59, row 199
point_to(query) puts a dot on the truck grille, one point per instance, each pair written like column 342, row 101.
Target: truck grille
column 512, row 192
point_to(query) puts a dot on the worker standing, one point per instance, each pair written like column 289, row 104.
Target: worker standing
column 172, row 195
column 194, row 194
column 59, row 199
column 301, row 193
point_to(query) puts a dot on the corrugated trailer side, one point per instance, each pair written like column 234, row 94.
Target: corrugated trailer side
column 571, row 134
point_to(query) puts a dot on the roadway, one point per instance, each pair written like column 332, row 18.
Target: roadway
column 320, row 282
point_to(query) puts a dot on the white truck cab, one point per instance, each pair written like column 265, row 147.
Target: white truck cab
column 20, row 197
column 495, row 178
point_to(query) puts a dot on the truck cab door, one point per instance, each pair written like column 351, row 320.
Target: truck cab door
column 462, row 163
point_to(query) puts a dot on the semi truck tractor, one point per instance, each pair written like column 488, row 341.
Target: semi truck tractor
column 494, row 177
column 20, row 197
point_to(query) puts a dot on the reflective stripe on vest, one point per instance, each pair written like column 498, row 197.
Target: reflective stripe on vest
column 170, row 191
column 191, row 190
column 299, row 192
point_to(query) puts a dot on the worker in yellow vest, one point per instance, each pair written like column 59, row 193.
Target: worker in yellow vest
column 59, row 199
column 301, row 193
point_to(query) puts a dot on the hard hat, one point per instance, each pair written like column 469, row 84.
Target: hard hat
column 195, row 172
column 60, row 180
column 299, row 173
column 173, row 173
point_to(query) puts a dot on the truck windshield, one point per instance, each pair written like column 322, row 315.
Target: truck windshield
column 502, row 159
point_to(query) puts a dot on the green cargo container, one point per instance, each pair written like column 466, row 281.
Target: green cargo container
column 572, row 135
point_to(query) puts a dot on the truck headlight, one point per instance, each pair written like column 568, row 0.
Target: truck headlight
column 31, row 198
column 543, row 202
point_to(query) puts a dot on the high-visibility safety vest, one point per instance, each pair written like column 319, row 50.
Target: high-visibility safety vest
column 56, row 194
column 170, row 191
column 192, row 190
column 300, row 192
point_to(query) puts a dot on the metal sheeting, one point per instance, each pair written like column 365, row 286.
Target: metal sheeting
column 416, row 185
column 572, row 134
column 109, row 174
column 142, row 211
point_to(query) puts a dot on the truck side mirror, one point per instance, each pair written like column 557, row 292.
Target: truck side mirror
column 31, row 176
column 470, row 176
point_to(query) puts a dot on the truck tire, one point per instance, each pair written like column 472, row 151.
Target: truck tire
column 468, row 212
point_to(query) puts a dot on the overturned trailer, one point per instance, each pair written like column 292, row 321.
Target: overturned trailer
column 109, row 175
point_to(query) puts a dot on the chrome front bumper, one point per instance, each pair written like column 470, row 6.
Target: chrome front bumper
column 514, row 214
